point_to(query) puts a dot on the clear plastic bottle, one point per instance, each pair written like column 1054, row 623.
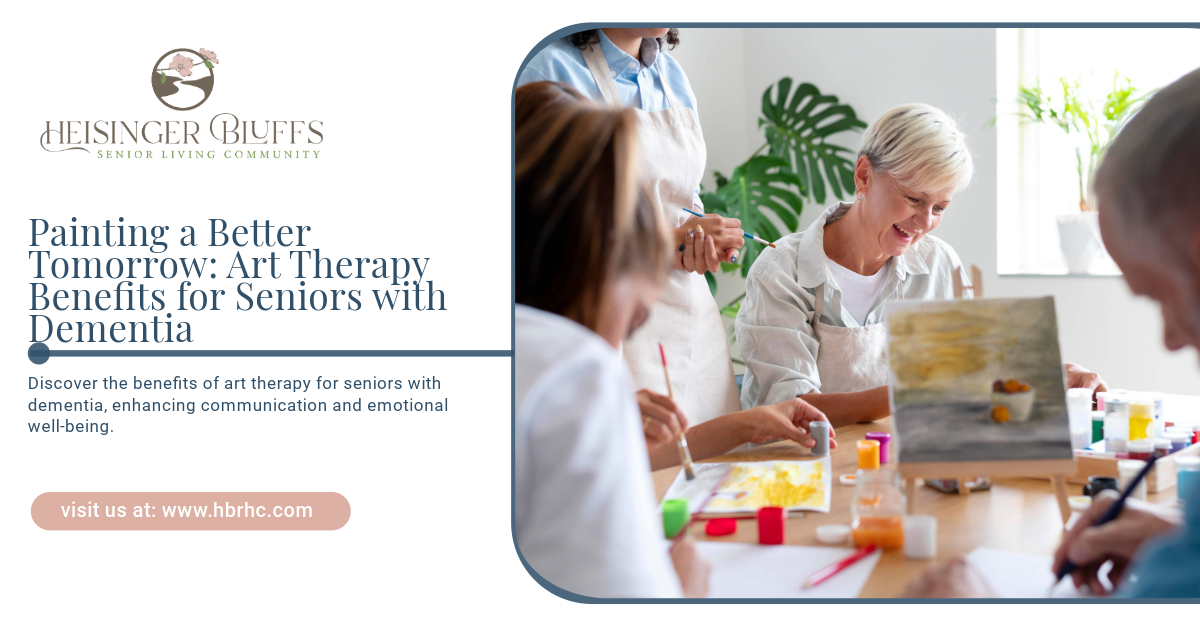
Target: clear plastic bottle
column 1116, row 423
column 877, row 512
column 1079, row 414
column 1160, row 417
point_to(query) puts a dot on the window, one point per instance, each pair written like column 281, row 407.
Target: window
column 1038, row 183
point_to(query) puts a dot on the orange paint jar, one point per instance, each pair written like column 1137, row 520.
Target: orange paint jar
column 877, row 510
column 868, row 454
column 885, row 532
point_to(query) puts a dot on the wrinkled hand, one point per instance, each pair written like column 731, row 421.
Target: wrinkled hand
column 707, row 242
column 955, row 578
column 662, row 420
column 691, row 568
column 1079, row 377
column 789, row 419
column 1117, row 540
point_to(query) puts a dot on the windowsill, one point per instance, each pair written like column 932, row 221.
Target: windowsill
column 1034, row 274
column 1059, row 271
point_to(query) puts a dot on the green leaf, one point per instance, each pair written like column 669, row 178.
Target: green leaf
column 764, row 183
column 797, row 125
column 731, row 310
column 162, row 78
column 712, row 282
column 208, row 64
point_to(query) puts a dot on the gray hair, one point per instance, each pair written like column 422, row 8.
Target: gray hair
column 1151, row 171
column 921, row 146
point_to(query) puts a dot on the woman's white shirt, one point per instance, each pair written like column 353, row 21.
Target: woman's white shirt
column 585, row 516
column 859, row 292
column 773, row 327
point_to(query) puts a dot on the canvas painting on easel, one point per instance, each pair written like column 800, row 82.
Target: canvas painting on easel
column 977, row 380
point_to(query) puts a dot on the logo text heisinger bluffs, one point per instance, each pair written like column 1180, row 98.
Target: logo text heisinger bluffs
column 118, row 139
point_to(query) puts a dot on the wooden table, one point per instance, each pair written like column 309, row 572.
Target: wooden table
column 1016, row 514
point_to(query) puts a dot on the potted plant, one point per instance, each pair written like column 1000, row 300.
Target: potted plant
column 1093, row 123
column 799, row 164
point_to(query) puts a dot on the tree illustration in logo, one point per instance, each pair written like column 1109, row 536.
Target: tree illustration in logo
column 185, row 80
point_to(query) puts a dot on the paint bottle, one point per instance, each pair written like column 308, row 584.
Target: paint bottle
column 1179, row 440
column 1140, row 449
column 1160, row 417
column 877, row 510
column 868, row 454
column 820, row 433
column 1141, row 418
column 1162, row 446
column 1187, row 475
column 1128, row 470
column 1097, row 426
column 920, row 537
column 1079, row 415
column 675, row 517
column 1116, row 424
column 885, row 445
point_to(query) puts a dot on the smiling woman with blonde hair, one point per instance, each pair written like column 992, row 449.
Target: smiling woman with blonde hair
column 811, row 325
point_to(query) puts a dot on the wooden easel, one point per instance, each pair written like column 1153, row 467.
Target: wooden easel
column 1056, row 470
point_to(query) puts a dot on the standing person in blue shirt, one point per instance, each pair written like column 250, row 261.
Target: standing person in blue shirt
column 628, row 67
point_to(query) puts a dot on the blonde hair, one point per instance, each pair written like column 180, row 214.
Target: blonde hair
column 920, row 146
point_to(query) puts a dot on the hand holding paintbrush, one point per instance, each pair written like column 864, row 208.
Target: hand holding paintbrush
column 685, row 456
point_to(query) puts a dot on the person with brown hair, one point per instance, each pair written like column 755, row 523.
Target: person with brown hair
column 629, row 67
column 591, row 257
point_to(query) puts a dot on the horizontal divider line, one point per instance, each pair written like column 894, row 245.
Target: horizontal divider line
column 270, row 353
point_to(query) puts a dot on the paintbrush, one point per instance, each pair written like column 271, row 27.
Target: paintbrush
column 685, row 454
column 748, row 235
column 1113, row 512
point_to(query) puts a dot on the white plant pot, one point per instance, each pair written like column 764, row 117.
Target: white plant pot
column 1079, row 240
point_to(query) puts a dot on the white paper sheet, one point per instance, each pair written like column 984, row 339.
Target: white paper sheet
column 741, row 570
column 1013, row 575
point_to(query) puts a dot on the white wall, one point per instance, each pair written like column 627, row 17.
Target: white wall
column 1100, row 324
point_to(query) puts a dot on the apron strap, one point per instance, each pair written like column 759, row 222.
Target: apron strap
column 819, row 307
column 602, row 75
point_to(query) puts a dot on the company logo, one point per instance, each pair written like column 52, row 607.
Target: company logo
column 183, row 78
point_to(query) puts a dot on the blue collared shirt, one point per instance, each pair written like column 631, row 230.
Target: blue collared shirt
column 1167, row 567
column 639, row 83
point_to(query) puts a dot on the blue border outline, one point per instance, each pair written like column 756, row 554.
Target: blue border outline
column 562, row 32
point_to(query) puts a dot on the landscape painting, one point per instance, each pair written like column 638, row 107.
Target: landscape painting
column 977, row 379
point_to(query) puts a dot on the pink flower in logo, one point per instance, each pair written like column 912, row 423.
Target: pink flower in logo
column 210, row 55
column 182, row 64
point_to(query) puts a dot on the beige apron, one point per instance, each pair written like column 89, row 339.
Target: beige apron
column 685, row 319
column 850, row 359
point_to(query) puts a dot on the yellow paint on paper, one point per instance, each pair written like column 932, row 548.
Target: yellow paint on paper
column 782, row 484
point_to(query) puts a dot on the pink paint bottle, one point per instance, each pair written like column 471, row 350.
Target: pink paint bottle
column 885, row 442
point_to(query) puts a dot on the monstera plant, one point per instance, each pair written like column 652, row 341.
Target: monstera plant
column 799, row 164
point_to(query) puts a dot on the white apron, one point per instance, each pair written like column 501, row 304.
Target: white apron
column 685, row 318
column 850, row 359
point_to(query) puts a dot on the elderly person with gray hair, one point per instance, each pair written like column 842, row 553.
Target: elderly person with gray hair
column 811, row 325
column 1148, row 194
